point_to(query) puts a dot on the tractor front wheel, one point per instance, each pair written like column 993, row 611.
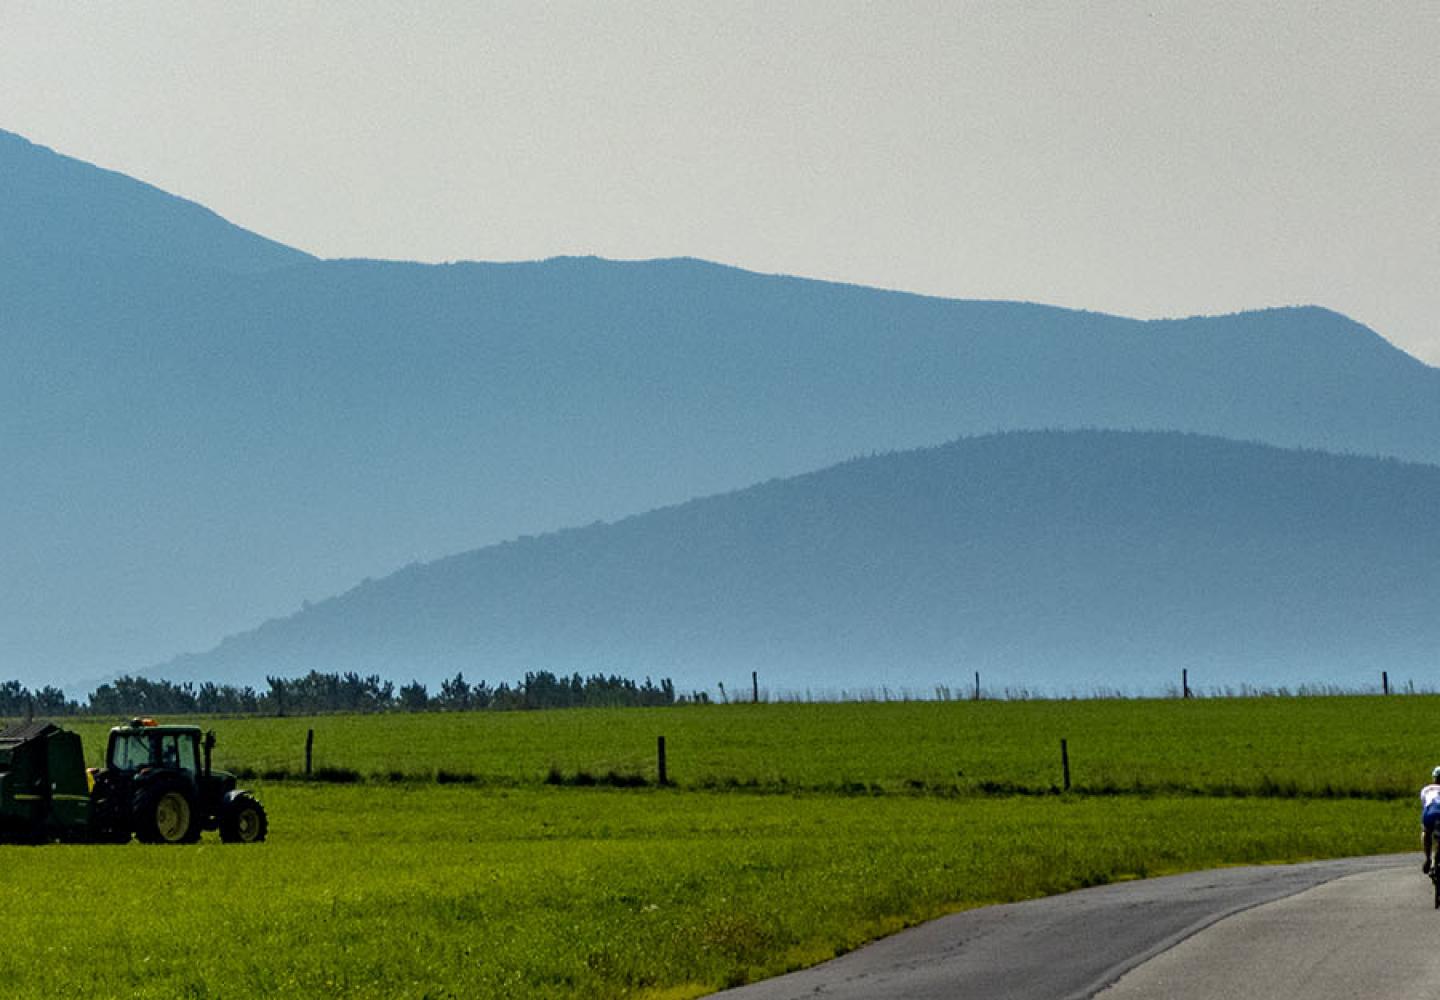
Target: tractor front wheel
column 243, row 821
column 166, row 815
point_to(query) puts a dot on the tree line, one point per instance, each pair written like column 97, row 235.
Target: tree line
column 318, row 693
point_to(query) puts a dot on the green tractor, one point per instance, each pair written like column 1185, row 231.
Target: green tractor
column 157, row 785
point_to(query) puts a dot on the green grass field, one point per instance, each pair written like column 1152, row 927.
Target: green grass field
column 1347, row 746
column 765, row 857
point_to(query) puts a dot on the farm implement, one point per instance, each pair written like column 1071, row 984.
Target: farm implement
column 157, row 785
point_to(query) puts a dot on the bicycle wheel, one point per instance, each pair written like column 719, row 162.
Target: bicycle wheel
column 1435, row 878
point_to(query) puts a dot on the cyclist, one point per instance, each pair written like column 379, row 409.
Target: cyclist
column 1430, row 814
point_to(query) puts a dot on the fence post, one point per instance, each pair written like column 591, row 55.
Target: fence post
column 1065, row 762
column 755, row 686
column 1385, row 681
column 309, row 749
column 1185, row 683
column 660, row 753
column 977, row 685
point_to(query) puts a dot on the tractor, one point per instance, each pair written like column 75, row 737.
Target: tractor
column 157, row 785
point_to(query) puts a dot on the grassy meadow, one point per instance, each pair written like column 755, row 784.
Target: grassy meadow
column 793, row 833
column 1351, row 746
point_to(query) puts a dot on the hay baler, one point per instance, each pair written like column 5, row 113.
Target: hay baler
column 44, row 789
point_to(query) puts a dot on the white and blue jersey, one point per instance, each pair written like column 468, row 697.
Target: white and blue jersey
column 1430, row 806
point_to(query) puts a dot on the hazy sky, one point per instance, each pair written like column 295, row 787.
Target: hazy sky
column 1151, row 160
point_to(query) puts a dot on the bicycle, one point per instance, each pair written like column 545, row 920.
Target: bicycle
column 1435, row 880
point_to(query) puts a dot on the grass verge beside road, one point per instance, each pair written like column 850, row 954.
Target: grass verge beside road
column 439, row 891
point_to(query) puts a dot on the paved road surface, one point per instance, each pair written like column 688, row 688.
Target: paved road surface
column 1074, row 946
column 1374, row 936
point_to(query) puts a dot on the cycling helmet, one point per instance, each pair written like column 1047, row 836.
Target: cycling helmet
column 1435, row 774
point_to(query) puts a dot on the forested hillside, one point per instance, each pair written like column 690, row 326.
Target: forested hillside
column 1062, row 561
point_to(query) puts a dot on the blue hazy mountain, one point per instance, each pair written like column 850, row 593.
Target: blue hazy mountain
column 1042, row 559
column 57, row 207
column 201, row 429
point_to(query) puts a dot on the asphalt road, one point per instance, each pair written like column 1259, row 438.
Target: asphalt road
column 1374, row 936
column 1205, row 934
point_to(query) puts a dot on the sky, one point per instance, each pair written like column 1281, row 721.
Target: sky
column 1144, row 159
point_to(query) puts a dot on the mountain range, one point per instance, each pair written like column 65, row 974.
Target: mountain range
column 205, row 429
column 1082, row 560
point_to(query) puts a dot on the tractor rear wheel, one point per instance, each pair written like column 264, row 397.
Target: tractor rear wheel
column 165, row 814
column 243, row 821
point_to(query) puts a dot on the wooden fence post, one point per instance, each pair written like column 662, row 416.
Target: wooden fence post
column 977, row 685
column 755, row 686
column 660, row 753
column 309, row 749
column 1185, row 683
column 1385, row 681
column 1065, row 762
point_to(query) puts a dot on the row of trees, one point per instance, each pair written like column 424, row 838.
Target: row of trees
column 15, row 700
column 349, row 692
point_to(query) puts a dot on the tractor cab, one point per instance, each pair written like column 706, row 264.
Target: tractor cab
column 144, row 745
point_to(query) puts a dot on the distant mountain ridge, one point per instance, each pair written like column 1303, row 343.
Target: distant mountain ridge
column 204, row 428
column 1055, row 561
column 55, row 206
